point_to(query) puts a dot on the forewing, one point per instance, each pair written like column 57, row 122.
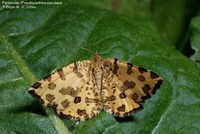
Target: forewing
column 126, row 87
column 70, row 91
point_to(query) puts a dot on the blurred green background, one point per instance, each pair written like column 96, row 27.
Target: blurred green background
column 172, row 17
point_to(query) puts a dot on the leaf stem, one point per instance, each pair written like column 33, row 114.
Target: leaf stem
column 56, row 121
column 29, row 78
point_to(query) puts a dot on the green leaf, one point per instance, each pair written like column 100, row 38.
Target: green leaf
column 170, row 19
column 195, row 39
column 135, row 9
column 35, row 42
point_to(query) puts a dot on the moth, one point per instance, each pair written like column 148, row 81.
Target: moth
column 82, row 89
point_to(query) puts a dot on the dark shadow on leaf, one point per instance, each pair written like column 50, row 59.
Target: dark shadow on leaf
column 34, row 107
column 125, row 119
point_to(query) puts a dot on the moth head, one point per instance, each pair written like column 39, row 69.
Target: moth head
column 97, row 57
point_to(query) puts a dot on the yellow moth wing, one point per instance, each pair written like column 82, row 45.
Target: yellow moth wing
column 127, row 86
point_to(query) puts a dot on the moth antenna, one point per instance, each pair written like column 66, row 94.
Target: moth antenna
column 87, row 50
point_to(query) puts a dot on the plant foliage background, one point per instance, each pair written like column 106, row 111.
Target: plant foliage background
column 162, row 36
